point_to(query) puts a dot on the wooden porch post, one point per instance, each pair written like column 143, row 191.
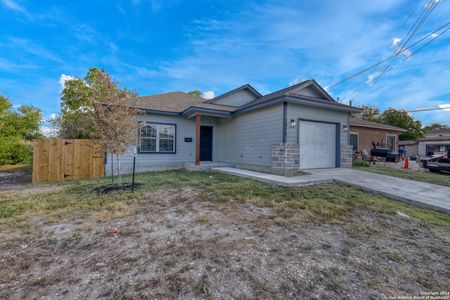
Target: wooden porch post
column 197, row 139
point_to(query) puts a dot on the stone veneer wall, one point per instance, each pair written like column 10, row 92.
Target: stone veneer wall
column 346, row 156
column 285, row 159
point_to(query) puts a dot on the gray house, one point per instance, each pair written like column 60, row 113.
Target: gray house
column 299, row 127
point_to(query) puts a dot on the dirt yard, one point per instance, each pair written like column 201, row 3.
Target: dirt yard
column 174, row 243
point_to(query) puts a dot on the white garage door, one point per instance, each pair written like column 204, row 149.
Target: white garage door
column 317, row 145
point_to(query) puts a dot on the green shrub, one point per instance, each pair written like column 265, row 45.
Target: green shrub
column 13, row 150
column 361, row 163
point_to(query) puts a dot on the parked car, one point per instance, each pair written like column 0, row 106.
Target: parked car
column 437, row 163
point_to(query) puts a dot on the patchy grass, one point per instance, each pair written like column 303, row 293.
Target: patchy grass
column 435, row 178
column 27, row 169
column 322, row 202
column 207, row 235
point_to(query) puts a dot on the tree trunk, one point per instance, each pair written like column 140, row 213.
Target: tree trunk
column 118, row 169
column 112, row 168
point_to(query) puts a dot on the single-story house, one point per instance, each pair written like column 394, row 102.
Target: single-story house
column 299, row 127
column 411, row 147
column 436, row 141
column 363, row 134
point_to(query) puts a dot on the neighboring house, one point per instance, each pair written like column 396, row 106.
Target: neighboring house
column 364, row 133
column 436, row 141
column 299, row 127
column 411, row 147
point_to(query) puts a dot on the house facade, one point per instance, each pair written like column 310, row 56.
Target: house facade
column 436, row 141
column 363, row 134
column 299, row 127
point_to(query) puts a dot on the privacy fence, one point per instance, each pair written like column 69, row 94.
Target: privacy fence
column 57, row 160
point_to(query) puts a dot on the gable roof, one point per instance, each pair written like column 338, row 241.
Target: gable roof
column 368, row 124
column 289, row 92
column 184, row 103
column 241, row 88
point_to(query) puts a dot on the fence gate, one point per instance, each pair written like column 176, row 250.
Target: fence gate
column 57, row 160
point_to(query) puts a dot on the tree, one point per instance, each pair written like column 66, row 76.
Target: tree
column 401, row 118
column 23, row 122
column 77, row 111
column 370, row 113
column 114, row 123
column 434, row 126
column 195, row 93
column 16, row 126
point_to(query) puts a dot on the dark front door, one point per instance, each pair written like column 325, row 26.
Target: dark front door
column 206, row 137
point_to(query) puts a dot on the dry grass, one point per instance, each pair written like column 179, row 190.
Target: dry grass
column 324, row 202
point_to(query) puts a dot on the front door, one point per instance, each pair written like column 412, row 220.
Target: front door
column 206, row 139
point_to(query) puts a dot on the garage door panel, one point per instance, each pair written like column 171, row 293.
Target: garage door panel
column 317, row 145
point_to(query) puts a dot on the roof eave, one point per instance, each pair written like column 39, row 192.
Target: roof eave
column 322, row 104
column 191, row 111
column 302, row 101
column 379, row 127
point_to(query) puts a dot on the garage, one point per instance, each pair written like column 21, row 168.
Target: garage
column 317, row 144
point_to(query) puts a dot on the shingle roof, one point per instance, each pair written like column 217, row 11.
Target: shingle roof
column 170, row 102
column 364, row 123
column 438, row 131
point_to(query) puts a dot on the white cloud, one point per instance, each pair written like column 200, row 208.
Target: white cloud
column 396, row 41
column 208, row 95
column 371, row 78
column 49, row 132
column 13, row 5
column 64, row 78
column 30, row 47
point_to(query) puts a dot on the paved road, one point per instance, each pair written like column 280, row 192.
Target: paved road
column 424, row 194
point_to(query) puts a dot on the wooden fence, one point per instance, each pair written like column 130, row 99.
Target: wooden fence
column 57, row 160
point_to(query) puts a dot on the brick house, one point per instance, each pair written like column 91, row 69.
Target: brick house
column 364, row 133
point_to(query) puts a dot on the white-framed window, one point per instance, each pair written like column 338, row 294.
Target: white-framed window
column 441, row 148
column 390, row 142
column 158, row 138
column 354, row 137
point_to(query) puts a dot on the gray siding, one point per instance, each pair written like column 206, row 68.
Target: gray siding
column 248, row 138
column 310, row 113
column 308, row 91
column 185, row 152
column 237, row 99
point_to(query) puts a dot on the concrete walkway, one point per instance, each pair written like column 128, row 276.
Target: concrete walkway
column 424, row 194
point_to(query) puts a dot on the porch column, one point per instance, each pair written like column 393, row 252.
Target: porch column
column 197, row 139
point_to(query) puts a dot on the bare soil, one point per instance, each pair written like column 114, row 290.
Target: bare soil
column 171, row 245
column 18, row 181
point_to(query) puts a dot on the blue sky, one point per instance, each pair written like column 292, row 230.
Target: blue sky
column 153, row 46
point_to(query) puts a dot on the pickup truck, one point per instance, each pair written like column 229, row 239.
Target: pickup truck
column 439, row 163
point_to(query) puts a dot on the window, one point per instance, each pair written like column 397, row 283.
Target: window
column 390, row 142
column 441, row 148
column 354, row 140
column 159, row 138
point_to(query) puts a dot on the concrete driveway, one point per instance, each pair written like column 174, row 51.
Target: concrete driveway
column 424, row 194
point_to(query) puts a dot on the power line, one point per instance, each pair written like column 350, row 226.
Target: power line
column 386, row 59
column 426, row 44
column 412, row 31
column 427, row 109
